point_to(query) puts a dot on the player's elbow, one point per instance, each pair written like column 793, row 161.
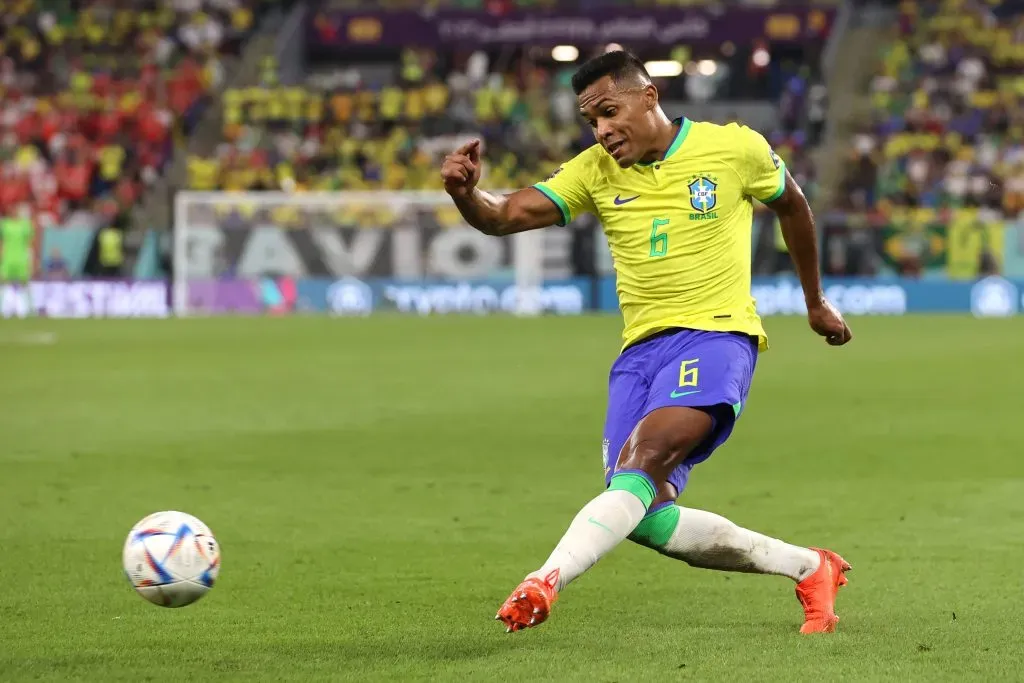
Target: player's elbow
column 505, row 221
column 496, row 225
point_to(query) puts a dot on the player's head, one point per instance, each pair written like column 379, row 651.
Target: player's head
column 617, row 98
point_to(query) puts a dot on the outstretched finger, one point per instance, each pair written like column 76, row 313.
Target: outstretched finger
column 474, row 152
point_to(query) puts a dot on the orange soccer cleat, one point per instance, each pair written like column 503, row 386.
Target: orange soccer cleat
column 530, row 603
column 817, row 593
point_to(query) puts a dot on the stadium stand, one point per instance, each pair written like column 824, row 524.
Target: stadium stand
column 98, row 95
column 500, row 6
column 341, row 130
column 947, row 100
column 343, row 133
column 942, row 160
column 94, row 93
column 363, row 136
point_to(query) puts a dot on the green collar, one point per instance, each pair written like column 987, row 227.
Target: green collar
column 684, row 130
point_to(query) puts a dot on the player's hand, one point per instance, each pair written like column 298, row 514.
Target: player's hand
column 461, row 169
column 827, row 321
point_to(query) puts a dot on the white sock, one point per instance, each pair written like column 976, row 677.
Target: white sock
column 601, row 525
column 710, row 541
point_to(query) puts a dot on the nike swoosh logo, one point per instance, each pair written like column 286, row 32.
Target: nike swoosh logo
column 597, row 523
column 619, row 201
column 677, row 394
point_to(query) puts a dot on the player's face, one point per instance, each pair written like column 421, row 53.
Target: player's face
column 620, row 118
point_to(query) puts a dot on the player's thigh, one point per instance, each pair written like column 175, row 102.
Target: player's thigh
column 709, row 371
column 627, row 398
column 693, row 402
column 663, row 439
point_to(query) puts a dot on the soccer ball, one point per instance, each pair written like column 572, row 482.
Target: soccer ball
column 171, row 558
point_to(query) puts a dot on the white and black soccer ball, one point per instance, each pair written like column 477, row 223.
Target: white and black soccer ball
column 171, row 558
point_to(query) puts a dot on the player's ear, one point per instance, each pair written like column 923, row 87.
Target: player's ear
column 650, row 96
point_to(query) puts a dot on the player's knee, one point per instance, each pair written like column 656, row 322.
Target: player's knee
column 639, row 537
column 656, row 529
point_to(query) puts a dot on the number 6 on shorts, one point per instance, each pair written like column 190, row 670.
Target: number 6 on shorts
column 688, row 372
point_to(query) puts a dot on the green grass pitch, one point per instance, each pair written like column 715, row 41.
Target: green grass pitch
column 379, row 486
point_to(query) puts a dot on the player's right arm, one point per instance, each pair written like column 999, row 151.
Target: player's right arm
column 527, row 209
column 766, row 179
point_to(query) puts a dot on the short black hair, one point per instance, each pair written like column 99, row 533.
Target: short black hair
column 619, row 64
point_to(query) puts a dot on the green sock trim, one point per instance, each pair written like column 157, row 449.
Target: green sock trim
column 654, row 530
column 637, row 484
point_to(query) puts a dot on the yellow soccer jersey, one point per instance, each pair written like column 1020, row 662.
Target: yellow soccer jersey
column 679, row 229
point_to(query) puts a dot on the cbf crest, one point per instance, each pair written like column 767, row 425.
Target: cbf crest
column 703, row 196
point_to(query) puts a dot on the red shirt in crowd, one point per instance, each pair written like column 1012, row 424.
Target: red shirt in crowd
column 73, row 179
column 14, row 189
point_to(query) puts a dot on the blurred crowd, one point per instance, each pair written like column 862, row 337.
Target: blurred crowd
column 502, row 6
column 948, row 125
column 344, row 134
column 92, row 93
column 339, row 133
column 96, row 95
column 938, row 172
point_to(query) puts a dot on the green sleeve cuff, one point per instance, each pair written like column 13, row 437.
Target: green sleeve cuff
column 559, row 202
column 782, row 184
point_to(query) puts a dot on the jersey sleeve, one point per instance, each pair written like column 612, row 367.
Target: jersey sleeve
column 568, row 187
column 764, row 172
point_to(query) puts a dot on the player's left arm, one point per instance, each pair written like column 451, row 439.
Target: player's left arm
column 771, row 182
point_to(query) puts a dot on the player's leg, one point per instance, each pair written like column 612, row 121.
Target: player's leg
column 606, row 520
column 658, row 444
column 707, row 540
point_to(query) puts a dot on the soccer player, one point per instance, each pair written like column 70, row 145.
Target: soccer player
column 16, row 238
column 676, row 202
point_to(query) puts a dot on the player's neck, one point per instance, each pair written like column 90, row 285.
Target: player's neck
column 663, row 139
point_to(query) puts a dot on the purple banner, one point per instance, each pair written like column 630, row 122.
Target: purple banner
column 86, row 299
column 224, row 296
column 627, row 25
column 257, row 295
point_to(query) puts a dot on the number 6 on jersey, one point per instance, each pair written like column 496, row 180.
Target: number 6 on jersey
column 659, row 241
